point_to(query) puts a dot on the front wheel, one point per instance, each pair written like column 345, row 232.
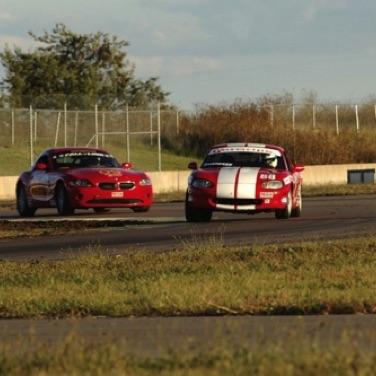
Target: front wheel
column 143, row 209
column 101, row 210
column 197, row 215
column 62, row 201
column 286, row 212
column 22, row 205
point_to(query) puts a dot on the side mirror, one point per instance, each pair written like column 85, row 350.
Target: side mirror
column 126, row 165
column 192, row 165
column 41, row 166
column 298, row 168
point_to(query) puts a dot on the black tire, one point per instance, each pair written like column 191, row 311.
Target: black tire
column 297, row 212
column 286, row 212
column 101, row 210
column 23, row 207
column 197, row 215
column 141, row 209
column 63, row 205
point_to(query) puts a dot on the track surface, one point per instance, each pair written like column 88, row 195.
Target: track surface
column 164, row 228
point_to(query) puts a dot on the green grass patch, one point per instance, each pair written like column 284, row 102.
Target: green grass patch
column 16, row 159
column 202, row 278
column 75, row 357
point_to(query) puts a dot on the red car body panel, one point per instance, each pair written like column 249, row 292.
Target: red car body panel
column 241, row 185
column 97, row 186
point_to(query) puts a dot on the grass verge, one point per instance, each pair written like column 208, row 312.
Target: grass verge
column 203, row 278
column 76, row 358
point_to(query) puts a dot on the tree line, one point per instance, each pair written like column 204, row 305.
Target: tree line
column 91, row 68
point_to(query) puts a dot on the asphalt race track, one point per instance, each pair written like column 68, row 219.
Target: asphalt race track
column 164, row 228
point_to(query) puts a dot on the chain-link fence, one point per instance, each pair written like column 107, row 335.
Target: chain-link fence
column 123, row 131
column 126, row 130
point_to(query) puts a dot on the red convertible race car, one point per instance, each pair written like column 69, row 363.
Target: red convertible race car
column 244, row 178
column 81, row 178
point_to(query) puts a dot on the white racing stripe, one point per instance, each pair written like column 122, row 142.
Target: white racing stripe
column 236, row 182
column 247, row 182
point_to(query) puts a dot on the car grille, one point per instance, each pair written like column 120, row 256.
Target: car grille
column 109, row 186
column 238, row 202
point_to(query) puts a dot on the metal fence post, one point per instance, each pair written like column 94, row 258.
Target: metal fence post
column 57, row 128
column 337, row 123
column 151, row 127
column 313, row 116
column 12, row 117
column 127, row 133
column 96, row 126
column 159, row 137
column 293, row 117
column 31, row 134
column 177, row 121
column 65, row 124
column 357, row 118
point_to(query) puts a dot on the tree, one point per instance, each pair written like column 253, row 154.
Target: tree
column 78, row 69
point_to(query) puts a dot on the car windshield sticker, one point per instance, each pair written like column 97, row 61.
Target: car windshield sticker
column 81, row 153
column 245, row 149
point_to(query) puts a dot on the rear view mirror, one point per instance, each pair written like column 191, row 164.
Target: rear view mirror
column 192, row 165
column 298, row 168
column 41, row 166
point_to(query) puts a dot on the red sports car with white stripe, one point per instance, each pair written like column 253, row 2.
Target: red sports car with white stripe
column 244, row 178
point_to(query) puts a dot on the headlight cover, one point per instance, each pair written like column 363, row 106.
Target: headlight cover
column 145, row 181
column 272, row 184
column 202, row 183
column 80, row 183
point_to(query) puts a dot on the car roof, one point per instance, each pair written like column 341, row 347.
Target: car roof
column 74, row 149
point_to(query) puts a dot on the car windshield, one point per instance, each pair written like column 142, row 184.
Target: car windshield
column 83, row 159
column 244, row 159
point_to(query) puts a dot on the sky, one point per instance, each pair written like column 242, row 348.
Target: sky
column 214, row 52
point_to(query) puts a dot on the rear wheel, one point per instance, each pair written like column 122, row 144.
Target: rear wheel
column 296, row 212
column 62, row 201
column 197, row 215
column 286, row 212
column 22, row 205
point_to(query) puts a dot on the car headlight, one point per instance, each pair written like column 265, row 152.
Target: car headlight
column 202, row 183
column 272, row 184
column 145, row 181
column 81, row 183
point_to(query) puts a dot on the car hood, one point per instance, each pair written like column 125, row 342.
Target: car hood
column 106, row 174
column 227, row 173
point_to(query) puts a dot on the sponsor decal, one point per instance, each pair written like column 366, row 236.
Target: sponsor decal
column 110, row 173
column 266, row 194
column 287, row 180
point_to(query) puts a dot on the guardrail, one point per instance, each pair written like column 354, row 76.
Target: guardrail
column 175, row 181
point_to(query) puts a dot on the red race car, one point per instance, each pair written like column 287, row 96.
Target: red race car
column 81, row 178
column 244, row 178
